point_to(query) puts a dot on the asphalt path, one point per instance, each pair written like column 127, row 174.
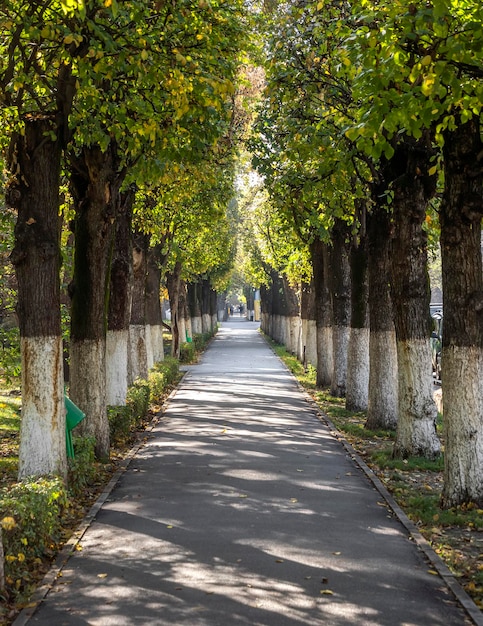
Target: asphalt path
column 242, row 509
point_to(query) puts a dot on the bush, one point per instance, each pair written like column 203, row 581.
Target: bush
column 169, row 368
column 30, row 515
column 120, row 424
column 187, row 353
column 138, row 400
column 82, row 469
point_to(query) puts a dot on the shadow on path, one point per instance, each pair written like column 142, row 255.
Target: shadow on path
column 242, row 510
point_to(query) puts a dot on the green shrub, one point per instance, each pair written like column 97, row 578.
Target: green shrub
column 82, row 469
column 120, row 420
column 138, row 400
column 169, row 368
column 187, row 352
column 157, row 386
column 30, row 515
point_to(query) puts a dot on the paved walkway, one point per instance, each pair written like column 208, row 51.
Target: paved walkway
column 242, row 510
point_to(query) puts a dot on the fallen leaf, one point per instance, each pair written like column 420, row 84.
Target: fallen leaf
column 278, row 560
column 101, row 575
column 326, row 592
column 433, row 572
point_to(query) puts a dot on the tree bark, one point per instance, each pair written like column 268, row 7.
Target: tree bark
column 383, row 385
column 341, row 307
column 173, row 282
column 308, row 344
column 120, row 298
column 358, row 350
column 34, row 193
column 462, row 356
column 95, row 189
column 154, row 321
column 323, row 311
column 194, row 304
column 138, row 361
column 413, row 188
column 206, row 305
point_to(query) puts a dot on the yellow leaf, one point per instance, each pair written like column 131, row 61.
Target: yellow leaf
column 68, row 39
column 101, row 575
column 433, row 572
column 326, row 592
column 432, row 170
column 8, row 523
column 426, row 60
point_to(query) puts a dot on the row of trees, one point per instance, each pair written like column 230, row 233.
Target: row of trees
column 118, row 120
column 368, row 138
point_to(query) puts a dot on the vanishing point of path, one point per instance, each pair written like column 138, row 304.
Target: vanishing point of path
column 242, row 509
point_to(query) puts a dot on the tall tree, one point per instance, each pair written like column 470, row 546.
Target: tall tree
column 421, row 68
column 41, row 46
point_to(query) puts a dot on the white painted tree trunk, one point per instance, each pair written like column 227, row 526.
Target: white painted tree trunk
column 42, row 436
column 189, row 329
column 417, row 414
column 157, row 342
column 206, row 323
column 325, row 355
column 462, row 375
column 293, row 326
column 309, row 341
column 138, row 361
column 340, row 343
column 88, row 390
column 277, row 329
column 116, row 367
column 182, row 330
column 196, row 325
column 149, row 347
column 357, row 391
column 214, row 322
column 382, row 405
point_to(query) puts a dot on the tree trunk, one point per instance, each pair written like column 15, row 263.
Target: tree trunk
column 358, row 350
column 382, row 401
column 265, row 309
column 413, row 188
column 462, row 358
column 120, row 298
column 186, row 334
column 34, row 193
column 154, row 325
column 323, row 311
column 205, row 305
column 194, row 304
column 341, row 307
column 308, row 344
column 95, row 189
column 291, row 317
column 138, row 356
column 173, row 282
